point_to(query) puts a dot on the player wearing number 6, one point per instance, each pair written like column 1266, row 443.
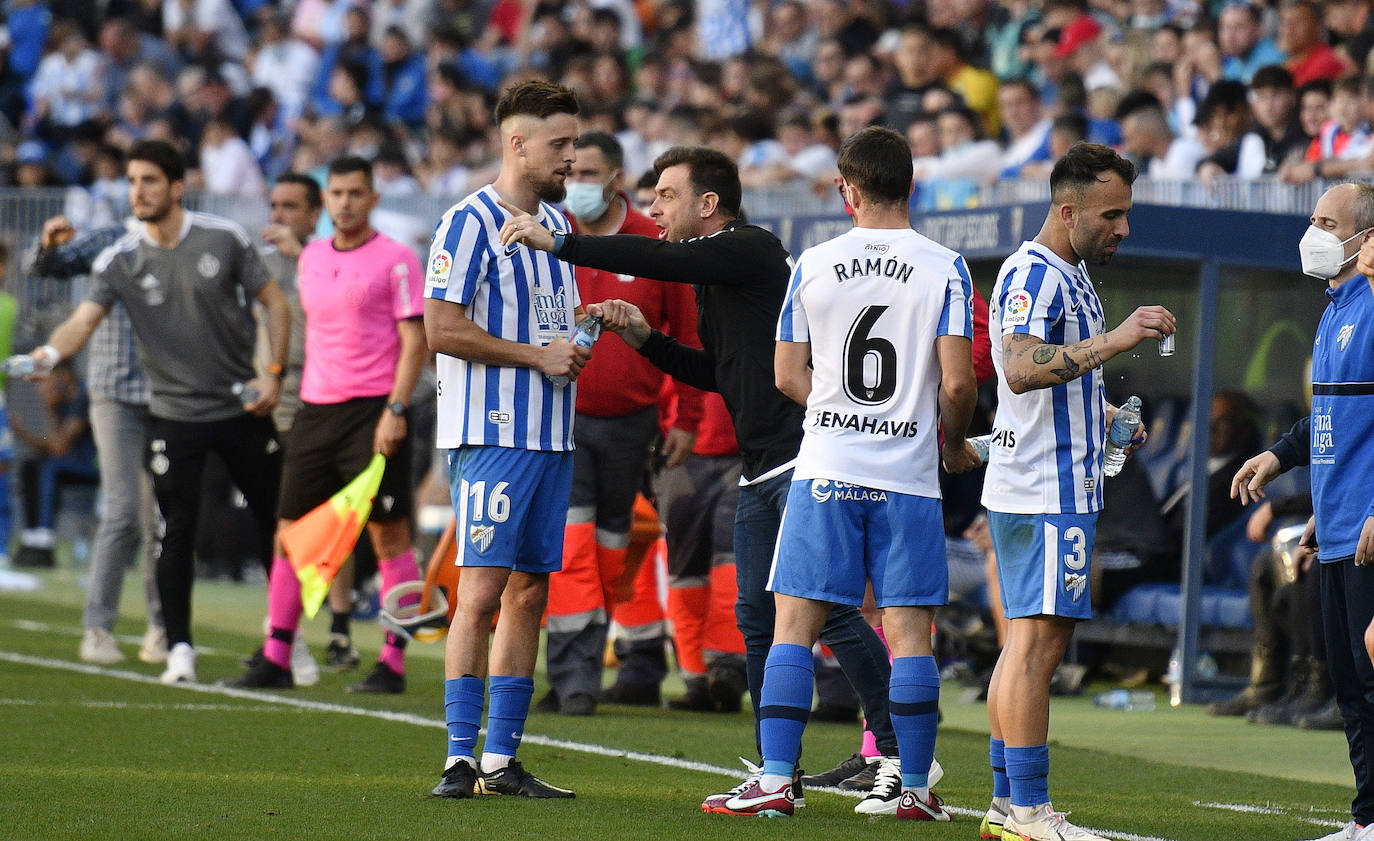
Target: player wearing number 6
column 875, row 339
column 500, row 319
column 1043, row 488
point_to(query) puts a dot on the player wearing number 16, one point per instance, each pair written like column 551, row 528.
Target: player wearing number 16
column 1043, row 488
column 500, row 319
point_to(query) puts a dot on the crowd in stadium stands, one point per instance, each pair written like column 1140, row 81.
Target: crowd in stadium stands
column 983, row 89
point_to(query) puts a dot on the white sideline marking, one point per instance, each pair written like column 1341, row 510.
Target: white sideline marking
column 125, row 705
column 421, row 721
column 1251, row 808
column 127, row 639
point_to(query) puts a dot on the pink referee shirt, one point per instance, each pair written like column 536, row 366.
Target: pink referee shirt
column 352, row 301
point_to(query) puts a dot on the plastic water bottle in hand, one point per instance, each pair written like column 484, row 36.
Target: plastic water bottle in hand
column 246, row 393
column 1119, row 437
column 21, row 365
column 586, row 333
column 982, row 445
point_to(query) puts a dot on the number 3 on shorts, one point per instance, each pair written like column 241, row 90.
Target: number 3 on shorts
column 1078, row 557
column 496, row 507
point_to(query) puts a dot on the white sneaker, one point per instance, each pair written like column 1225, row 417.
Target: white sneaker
column 1350, row 832
column 154, row 647
column 935, row 774
column 887, row 789
column 181, row 664
column 304, row 670
column 98, row 646
column 1045, row 824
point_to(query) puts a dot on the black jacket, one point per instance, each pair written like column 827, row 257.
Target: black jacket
column 740, row 275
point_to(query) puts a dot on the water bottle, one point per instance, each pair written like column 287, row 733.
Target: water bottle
column 21, row 365
column 982, row 445
column 246, row 393
column 586, row 333
column 1138, row 700
column 1119, row 437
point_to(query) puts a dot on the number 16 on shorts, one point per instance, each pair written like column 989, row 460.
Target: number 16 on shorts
column 485, row 511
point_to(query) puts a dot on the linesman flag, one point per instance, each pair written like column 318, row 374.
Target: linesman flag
column 318, row 543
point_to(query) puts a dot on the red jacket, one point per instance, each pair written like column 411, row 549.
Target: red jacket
column 716, row 432
column 618, row 381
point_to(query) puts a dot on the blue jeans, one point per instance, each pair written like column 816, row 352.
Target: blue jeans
column 861, row 655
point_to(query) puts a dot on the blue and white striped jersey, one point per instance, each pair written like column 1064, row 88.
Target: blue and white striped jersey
column 872, row 302
column 516, row 294
column 1047, row 443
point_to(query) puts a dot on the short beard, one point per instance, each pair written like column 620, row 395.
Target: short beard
column 548, row 190
column 158, row 216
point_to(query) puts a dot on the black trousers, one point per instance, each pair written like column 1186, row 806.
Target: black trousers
column 1347, row 594
column 176, row 459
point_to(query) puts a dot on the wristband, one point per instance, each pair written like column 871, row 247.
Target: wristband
column 558, row 240
column 275, row 369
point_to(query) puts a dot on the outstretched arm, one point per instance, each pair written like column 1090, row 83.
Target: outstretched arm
column 1030, row 362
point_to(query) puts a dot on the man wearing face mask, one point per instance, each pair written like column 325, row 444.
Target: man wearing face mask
column 616, row 421
column 1333, row 440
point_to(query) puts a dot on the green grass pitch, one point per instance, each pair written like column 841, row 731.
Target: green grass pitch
column 108, row 753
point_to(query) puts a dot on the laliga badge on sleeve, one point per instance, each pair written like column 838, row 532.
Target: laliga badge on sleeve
column 440, row 267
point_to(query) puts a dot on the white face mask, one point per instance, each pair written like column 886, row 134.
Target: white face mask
column 586, row 200
column 1322, row 254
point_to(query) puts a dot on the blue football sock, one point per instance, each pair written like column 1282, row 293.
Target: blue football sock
column 510, row 705
column 789, row 678
column 1028, row 772
column 998, row 760
column 914, row 704
column 463, row 713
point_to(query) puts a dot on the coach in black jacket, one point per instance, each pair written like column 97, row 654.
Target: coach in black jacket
column 740, row 273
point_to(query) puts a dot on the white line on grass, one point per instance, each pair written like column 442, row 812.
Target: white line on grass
column 421, row 721
column 1287, row 812
column 129, row 639
column 125, row 705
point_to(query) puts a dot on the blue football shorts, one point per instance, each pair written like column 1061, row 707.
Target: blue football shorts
column 510, row 506
column 835, row 537
column 1043, row 563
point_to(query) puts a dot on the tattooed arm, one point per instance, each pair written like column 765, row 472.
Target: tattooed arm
column 1030, row 362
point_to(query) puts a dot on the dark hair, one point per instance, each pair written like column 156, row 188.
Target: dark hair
column 313, row 198
column 649, row 179
column 1082, row 166
column 948, row 39
column 1322, row 86
column 877, row 161
column 1226, row 96
column 162, row 155
column 1249, row 8
column 709, row 171
column 968, row 115
column 1074, row 124
column 609, row 146
column 1272, row 76
column 536, row 98
column 345, row 164
column 1024, row 84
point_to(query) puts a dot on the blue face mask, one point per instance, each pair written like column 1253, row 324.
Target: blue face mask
column 586, row 200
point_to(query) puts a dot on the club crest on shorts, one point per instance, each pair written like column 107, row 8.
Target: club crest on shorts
column 1076, row 583
column 481, row 536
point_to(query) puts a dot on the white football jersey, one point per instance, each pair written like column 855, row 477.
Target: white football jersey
column 516, row 294
column 871, row 302
column 1046, row 453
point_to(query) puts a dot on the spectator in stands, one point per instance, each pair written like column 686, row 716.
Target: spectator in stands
column 283, row 63
column 1225, row 124
column 62, row 452
column 828, row 71
column 1351, row 26
column 1301, row 38
column 205, row 30
column 976, row 87
column 1026, row 127
column 67, row 89
column 790, row 38
column 1080, row 49
column 353, row 50
column 398, row 79
column 965, row 152
column 125, row 48
column 1148, row 141
column 227, row 164
column 1274, row 103
column 1244, row 46
column 1344, row 142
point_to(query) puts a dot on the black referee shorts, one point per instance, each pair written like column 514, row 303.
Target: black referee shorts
column 331, row 443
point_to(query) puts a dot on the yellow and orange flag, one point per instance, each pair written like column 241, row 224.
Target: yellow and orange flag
column 318, row 543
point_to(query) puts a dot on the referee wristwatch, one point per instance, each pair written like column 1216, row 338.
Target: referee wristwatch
column 396, row 408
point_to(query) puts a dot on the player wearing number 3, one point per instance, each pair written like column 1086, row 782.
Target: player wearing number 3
column 500, row 319
column 1043, row 488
